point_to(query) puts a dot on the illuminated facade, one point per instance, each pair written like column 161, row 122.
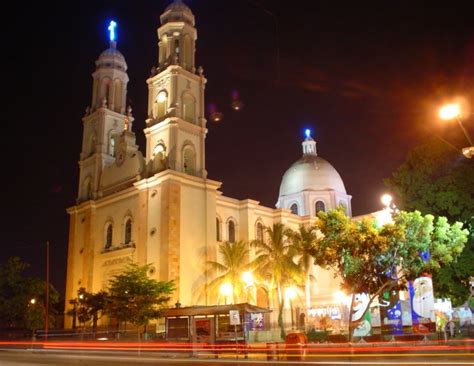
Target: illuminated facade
column 161, row 208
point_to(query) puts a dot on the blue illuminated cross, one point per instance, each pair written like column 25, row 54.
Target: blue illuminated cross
column 307, row 132
column 111, row 28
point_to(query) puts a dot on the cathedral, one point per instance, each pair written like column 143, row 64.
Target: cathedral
column 160, row 207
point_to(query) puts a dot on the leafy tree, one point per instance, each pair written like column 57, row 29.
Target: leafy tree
column 22, row 297
column 89, row 306
column 374, row 259
column 137, row 299
column 234, row 262
column 274, row 263
column 435, row 179
column 303, row 242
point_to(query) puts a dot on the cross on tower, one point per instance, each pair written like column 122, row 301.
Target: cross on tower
column 111, row 29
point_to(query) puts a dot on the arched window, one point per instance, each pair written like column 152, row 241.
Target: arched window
column 218, row 229
column 187, row 51
column 231, row 231
column 189, row 108
column 112, row 144
column 320, row 206
column 87, row 193
column 117, row 95
column 259, row 232
column 176, row 47
column 128, row 231
column 294, row 209
column 92, row 143
column 108, row 236
column 159, row 158
column 189, row 160
column 163, row 50
column 161, row 104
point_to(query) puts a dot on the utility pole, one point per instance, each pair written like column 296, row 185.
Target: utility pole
column 46, row 317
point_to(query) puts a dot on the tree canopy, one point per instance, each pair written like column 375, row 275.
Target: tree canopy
column 371, row 258
column 435, row 179
column 135, row 298
column 22, row 297
column 234, row 261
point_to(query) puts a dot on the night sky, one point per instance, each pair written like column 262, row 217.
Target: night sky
column 365, row 76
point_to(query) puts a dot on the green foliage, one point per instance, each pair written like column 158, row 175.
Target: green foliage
column 16, row 293
column 229, row 270
column 434, row 179
column 274, row 263
column 88, row 306
column 135, row 298
column 372, row 259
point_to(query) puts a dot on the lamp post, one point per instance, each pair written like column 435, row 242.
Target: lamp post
column 451, row 112
column 226, row 289
column 247, row 278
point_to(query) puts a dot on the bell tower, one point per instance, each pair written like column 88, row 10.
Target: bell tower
column 105, row 119
column 176, row 126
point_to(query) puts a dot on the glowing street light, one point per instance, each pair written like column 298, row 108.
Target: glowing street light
column 226, row 289
column 33, row 301
column 452, row 111
column 386, row 200
column 290, row 292
column 247, row 277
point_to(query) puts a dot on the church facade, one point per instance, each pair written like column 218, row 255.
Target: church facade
column 161, row 208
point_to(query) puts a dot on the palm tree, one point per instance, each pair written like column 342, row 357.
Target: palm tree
column 303, row 242
column 274, row 263
column 234, row 262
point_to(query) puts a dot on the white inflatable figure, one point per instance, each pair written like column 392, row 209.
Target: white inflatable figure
column 362, row 329
column 361, row 301
column 423, row 299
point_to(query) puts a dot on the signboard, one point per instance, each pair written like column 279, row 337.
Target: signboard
column 234, row 317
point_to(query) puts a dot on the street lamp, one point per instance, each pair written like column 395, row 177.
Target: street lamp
column 226, row 289
column 452, row 111
column 248, row 280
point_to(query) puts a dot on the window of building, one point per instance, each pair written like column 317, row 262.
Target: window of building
column 218, row 229
column 161, row 104
column 259, row 234
column 128, row 231
column 189, row 160
column 231, row 229
column 294, row 209
column 108, row 236
column 189, row 108
column 320, row 206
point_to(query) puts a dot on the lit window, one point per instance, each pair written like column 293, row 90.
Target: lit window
column 320, row 206
column 294, row 209
column 128, row 231
column 218, row 229
column 231, row 228
column 108, row 237
column 259, row 235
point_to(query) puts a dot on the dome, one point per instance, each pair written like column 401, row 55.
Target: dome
column 177, row 11
column 311, row 173
column 112, row 58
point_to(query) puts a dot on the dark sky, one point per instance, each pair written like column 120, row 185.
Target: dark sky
column 365, row 76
